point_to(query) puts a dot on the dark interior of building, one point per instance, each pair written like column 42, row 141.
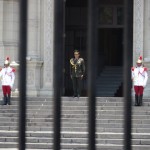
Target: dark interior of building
column 110, row 44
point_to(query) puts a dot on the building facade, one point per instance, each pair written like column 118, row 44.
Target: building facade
column 40, row 37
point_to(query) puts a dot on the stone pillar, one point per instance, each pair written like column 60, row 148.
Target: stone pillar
column 33, row 29
column 34, row 77
column 1, row 39
column 138, row 29
column 147, row 44
column 10, row 28
column 47, row 38
column 1, row 32
column 147, row 30
column 34, row 62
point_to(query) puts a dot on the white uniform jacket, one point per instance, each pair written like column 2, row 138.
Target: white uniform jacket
column 139, row 76
column 7, row 76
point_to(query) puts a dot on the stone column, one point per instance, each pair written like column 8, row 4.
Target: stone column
column 10, row 28
column 33, row 29
column 147, row 30
column 1, row 38
column 138, row 29
column 34, row 77
column 147, row 43
column 47, row 38
column 1, row 32
column 34, row 62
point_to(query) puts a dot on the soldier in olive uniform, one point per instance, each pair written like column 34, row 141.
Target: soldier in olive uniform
column 77, row 71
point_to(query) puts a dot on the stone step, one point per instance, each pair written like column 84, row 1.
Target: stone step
column 79, row 124
column 136, row 111
column 65, row 99
column 72, row 102
column 77, row 129
column 74, row 140
column 46, row 146
column 36, row 107
column 47, row 121
column 75, row 116
column 99, row 135
column 74, row 124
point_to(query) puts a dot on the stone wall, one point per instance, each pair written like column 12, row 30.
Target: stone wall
column 40, row 43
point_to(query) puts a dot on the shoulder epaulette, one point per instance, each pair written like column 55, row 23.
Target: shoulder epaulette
column 132, row 68
column 81, row 59
column 145, row 69
column 13, row 69
column 71, row 61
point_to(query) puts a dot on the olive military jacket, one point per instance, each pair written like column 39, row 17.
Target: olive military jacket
column 77, row 67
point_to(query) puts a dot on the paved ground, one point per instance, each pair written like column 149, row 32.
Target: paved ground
column 18, row 149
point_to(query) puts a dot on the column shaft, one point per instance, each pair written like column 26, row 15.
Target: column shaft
column 147, row 30
column 138, row 29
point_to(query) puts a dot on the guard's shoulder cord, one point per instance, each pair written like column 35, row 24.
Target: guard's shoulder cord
column 71, row 62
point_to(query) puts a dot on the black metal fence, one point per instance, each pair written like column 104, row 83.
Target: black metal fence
column 92, row 46
column 22, row 81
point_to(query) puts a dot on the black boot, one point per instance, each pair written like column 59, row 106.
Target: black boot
column 140, row 100
column 136, row 100
column 5, row 100
column 8, row 100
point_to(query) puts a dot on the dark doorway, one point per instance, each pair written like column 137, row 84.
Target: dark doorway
column 111, row 46
column 76, row 30
column 110, row 36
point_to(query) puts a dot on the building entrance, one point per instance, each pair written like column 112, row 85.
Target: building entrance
column 110, row 46
column 110, row 36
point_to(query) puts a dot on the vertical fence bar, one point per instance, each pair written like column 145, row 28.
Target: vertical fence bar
column 58, row 68
column 22, row 73
column 92, row 48
column 128, row 50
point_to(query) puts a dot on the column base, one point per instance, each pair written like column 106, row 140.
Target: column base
column 46, row 92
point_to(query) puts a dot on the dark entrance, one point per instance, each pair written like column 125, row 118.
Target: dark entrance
column 110, row 35
column 111, row 46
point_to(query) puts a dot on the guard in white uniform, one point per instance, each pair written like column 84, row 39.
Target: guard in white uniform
column 139, row 78
column 7, row 77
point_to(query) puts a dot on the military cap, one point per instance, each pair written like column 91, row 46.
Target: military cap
column 139, row 60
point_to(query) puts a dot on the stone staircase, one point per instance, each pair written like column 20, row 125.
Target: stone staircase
column 109, row 121
column 109, row 81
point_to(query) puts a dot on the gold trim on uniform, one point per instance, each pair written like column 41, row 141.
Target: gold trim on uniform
column 74, row 66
